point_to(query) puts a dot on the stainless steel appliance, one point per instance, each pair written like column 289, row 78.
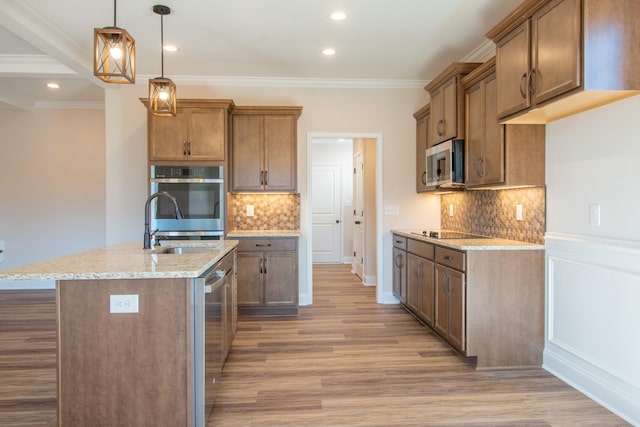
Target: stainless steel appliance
column 445, row 164
column 200, row 193
column 445, row 234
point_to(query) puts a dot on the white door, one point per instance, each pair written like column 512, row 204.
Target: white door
column 326, row 213
column 358, row 216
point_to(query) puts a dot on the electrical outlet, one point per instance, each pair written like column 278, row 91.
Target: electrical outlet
column 594, row 214
column 518, row 212
column 2, row 246
column 450, row 209
column 249, row 210
column 123, row 303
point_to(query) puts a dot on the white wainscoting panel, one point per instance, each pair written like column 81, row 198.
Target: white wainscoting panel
column 593, row 318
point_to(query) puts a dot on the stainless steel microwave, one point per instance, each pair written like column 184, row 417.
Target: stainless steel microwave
column 445, row 164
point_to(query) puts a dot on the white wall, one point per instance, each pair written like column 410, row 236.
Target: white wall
column 325, row 110
column 52, row 185
column 593, row 273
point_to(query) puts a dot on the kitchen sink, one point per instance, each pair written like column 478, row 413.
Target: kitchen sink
column 182, row 250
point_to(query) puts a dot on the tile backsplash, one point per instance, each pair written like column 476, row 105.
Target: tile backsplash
column 270, row 211
column 493, row 213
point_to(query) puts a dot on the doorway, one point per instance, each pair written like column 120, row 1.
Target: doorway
column 374, row 141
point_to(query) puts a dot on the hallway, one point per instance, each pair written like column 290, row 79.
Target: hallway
column 347, row 361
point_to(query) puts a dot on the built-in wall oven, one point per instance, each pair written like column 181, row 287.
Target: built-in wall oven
column 200, row 193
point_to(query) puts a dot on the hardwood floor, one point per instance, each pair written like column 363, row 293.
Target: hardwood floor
column 345, row 361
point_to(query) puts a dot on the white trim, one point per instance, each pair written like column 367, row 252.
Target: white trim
column 34, row 65
column 69, row 105
column 482, row 53
column 307, row 294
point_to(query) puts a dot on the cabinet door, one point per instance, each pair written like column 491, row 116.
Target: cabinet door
column 437, row 117
column 556, row 54
column 247, row 153
column 249, row 280
column 457, row 309
column 168, row 137
column 422, row 143
column 450, row 109
column 475, row 135
column 281, row 279
column 400, row 274
column 207, row 134
column 493, row 165
column 427, row 304
column 414, row 279
column 512, row 68
column 441, row 318
column 280, row 153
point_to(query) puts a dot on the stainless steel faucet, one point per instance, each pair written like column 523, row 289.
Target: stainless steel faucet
column 147, row 214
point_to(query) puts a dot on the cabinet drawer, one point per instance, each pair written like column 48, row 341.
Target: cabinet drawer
column 422, row 249
column 399, row 242
column 450, row 258
column 260, row 245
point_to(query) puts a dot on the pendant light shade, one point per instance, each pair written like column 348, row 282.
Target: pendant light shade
column 114, row 54
column 162, row 91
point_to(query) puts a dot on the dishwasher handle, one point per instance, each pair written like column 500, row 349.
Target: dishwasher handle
column 214, row 280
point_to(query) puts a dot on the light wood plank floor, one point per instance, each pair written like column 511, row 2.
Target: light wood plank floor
column 345, row 361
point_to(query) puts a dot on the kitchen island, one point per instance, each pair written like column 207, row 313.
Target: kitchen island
column 138, row 331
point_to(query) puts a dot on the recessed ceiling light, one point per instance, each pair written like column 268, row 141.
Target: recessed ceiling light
column 53, row 85
column 329, row 52
column 170, row 48
column 338, row 16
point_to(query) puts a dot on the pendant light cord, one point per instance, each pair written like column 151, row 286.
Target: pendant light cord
column 162, row 43
column 115, row 24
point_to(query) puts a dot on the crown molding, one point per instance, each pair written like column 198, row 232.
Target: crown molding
column 292, row 82
column 68, row 105
column 482, row 53
column 32, row 64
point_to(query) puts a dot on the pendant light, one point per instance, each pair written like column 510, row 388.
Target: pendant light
column 162, row 91
column 114, row 54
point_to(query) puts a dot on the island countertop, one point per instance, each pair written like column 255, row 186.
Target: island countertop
column 126, row 261
column 482, row 243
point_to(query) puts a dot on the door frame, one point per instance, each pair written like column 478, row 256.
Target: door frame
column 306, row 297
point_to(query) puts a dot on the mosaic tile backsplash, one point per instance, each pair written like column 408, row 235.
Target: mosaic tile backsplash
column 493, row 213
column 271, row 211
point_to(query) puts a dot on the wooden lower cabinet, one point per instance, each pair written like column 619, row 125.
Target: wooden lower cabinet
column 268, row 276
column 488, row 304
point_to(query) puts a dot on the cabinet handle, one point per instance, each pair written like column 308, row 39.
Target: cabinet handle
column 358, row 222
column 261, row 269
column 184, row 147
column 265, row 265
column 480, row 167
column 532, row 85
column 263, row 245
column 523, row 83
column 419, row 270
column 266, row 177
column 189, row 147
column 440, row 127
column 446, row 280
column 424, row 178
column 447, row 257
column 399, row 261
column 261, row 177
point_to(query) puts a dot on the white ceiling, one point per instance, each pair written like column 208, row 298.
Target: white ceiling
column 401, row 43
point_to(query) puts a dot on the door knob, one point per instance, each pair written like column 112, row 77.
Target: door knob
column 337, row 221
column 357, row 222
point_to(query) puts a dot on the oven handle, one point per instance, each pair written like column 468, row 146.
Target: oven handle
column 187, row 181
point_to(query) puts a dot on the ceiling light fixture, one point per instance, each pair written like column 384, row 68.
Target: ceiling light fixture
column 329, row 52
column 162, row 91
column 53, row 85
column 170, row 48
column 338, row 16
column 114, row 54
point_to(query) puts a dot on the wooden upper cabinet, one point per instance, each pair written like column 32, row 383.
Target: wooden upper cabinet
column 423, row 125
column 263, row 149
column 198, row 132
column 555, row 58
column 496, row 154
column 447, row 102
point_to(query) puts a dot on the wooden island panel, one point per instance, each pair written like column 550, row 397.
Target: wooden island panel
column 131, row 367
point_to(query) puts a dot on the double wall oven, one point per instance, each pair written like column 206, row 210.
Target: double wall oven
column 200, row 193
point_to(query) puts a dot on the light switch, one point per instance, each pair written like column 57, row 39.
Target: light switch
column 391, row 210
column 249, row 210
column 518, row 212
column 594, row 214
column 450, row 209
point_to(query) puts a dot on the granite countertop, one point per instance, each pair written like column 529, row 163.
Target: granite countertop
column 263, row 233
column 483, row 243
column 126, row 261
